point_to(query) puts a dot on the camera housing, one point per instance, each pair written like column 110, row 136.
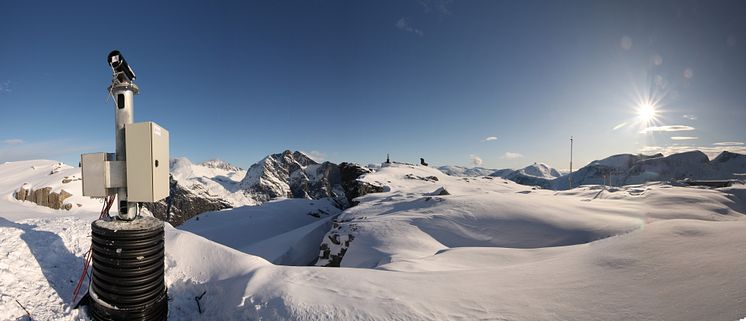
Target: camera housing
column 120, row 67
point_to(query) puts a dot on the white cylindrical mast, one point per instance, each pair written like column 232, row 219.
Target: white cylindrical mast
column 123, row 94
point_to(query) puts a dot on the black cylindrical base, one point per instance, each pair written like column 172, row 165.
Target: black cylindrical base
column 128, row 270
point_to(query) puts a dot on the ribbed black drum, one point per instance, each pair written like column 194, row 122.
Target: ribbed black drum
column 128, row 269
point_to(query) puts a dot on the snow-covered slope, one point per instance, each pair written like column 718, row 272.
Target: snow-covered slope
column 36, row 174
column 284, row 232
column 212, row 179
column 430, row 247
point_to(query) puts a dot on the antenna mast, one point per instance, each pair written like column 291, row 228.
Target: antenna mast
column 570, row 176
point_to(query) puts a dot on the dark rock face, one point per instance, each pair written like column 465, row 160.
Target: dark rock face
column 295, row 175
column 272, row 176
column 287, row 174
column 186, row 205
column 353, row 188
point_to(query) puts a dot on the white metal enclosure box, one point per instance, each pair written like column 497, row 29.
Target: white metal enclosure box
column 147, row 162
column 93, row 171
column 101, row 174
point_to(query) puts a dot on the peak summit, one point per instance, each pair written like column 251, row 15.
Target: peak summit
column 220, row 164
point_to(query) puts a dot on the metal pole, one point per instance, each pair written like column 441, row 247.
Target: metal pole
column 570, row 177
column 123, row 94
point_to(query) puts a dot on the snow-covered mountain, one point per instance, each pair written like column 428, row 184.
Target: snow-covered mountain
column 626, row 169
column 295, row 175
column 621, row 169
column 221, row 164
column 461, row 171
column 216, row 184
column 540, row 170
column 291, row 175
column 537, row 174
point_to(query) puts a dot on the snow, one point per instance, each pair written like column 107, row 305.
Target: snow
column 278, row 230
column 214, row 178
column 462, row 171
column 540, row 170
column 491, row 250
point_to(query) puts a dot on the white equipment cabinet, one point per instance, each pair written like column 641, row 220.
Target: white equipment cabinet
column 147, row 162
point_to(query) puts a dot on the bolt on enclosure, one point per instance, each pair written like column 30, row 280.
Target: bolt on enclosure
column 147, row 162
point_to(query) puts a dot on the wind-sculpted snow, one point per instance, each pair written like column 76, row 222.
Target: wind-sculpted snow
column 488, row 249
column 284, row 232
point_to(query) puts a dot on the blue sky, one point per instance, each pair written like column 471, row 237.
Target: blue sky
column 494, row 83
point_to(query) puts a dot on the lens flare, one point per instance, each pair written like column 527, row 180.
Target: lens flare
column 646, row 112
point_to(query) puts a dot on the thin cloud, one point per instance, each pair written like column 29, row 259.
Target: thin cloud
column 41, row 150
column 683, row 138
column 489, row 139
column 512, row 155
column 670, row 128
column 476, row 160
column 440, row 6
column 403, row 24
column 5, row 87
column 619, row 126
column 13, row 141
column 690, row 117
column 728, row 144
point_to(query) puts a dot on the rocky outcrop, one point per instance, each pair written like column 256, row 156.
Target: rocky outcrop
column 352, row 186
column 295, row 175
column 186, row 204
column 271, row 177
column 44, row 197
column 336, row 242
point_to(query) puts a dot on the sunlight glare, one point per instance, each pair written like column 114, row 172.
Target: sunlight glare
column 646, row 112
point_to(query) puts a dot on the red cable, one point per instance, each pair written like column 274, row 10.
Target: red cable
column 88, row 255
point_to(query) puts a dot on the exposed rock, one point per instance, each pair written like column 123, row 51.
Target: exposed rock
column 270, row 177
column 44, row 197
column 186, row 205
column 428, row 178
column 41, row 196
column 53, row 201
column 335, row 244
column 440, row 191
column 21, row 194
column 57, row 200
column 68, row 179
column 354, row 188
column 64, row 195
column 295, row 175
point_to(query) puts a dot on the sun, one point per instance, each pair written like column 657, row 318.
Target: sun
column 646, row 112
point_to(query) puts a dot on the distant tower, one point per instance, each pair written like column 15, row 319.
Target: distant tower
column 570, row 176
column 388, row 161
